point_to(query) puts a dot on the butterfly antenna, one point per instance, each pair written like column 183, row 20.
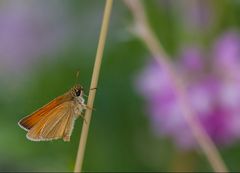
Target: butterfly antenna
column 77, row 75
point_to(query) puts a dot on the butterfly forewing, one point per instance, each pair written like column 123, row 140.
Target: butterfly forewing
column 29, row 121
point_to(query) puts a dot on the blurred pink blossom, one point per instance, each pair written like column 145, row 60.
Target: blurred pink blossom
column 213, row 86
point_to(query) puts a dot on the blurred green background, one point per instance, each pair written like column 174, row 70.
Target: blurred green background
column 120, row 137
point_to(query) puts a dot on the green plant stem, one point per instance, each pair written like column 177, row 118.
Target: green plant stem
column 95, row 75
column 144, row 31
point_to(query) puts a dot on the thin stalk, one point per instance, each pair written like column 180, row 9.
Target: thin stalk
column 144, row 31
column 94, row 82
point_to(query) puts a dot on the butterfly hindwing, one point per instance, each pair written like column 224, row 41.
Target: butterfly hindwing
column 53, row 125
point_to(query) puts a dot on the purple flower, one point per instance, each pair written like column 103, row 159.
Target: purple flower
column 213, row 88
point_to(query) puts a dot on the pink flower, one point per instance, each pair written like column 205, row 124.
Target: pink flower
column 213, row 88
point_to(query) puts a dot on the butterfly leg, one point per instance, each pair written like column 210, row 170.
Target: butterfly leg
column 88, row 107
column 83, row 117
column 79, row 113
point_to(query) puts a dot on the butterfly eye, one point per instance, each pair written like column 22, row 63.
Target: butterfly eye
column 78, row 92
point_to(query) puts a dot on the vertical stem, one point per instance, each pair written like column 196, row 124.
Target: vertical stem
column 95, row 75
column 143, row 29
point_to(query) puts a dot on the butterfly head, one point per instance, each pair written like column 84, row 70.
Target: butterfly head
column 77, row 91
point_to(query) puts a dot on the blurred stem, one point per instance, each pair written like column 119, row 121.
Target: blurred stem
column 93, row 86
column 143, row 30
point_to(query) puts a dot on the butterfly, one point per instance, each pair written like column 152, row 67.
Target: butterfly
column 55, row 120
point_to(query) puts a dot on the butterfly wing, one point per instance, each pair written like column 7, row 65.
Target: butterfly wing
column 55, row 124
column 29, row 121
column 69, row 128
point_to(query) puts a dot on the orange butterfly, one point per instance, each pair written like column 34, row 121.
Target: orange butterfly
column 56, row 119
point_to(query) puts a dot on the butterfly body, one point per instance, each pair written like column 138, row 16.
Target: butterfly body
column 56, row 119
